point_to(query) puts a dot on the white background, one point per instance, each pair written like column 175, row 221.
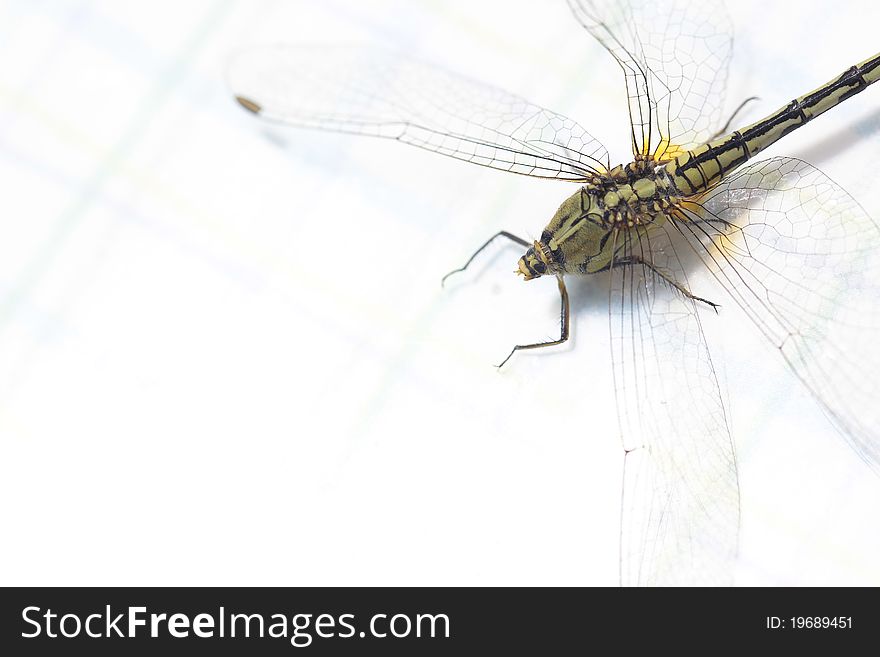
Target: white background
column 225, row 357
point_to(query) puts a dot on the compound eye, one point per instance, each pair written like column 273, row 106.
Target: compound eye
column 540, row 267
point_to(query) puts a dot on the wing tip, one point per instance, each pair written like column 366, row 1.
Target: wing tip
column 249, row 105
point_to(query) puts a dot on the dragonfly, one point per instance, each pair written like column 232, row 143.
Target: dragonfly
column 788, row 245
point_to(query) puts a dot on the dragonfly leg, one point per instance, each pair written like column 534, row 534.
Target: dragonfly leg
column 637, row 260
column 726, row 127
column 501, row 233
column 564, row 321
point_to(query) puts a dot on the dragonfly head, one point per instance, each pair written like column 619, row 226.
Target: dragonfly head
column 537, row 261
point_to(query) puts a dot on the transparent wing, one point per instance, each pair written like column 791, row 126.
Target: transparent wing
column 675, row 56
column 802, row 259
column 680, row 507
column 383, row 94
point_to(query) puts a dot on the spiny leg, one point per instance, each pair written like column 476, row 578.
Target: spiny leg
column 563, row 336
column 638, row 260
column 501, row 233
column 726, row 127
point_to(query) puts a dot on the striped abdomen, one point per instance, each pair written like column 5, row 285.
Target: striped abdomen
column 702, row 167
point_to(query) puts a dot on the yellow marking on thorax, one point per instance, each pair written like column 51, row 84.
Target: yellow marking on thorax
column 624, row 193
column 644, row 188
column 611, row 199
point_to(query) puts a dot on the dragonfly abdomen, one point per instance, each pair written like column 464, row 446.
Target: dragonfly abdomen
column 698, row 169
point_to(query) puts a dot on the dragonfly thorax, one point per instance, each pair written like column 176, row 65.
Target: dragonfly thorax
column 584, row 234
